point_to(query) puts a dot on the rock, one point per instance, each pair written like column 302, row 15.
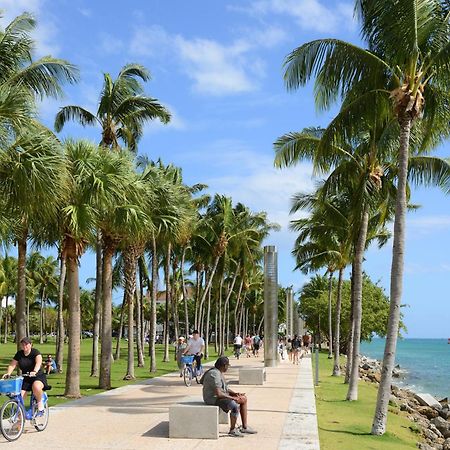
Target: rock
column 427, row 400
column 435, row 430
column 366, row 367
column 427, row 412
column 446, row 445
column 424, row 446
column 442, row 425
column 444, row 413
column 404, row 406
column 431, row 435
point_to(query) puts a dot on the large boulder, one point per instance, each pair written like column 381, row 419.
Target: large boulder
column 442, row 425
column 427, row 400
column 446, row 445
column 428, row 412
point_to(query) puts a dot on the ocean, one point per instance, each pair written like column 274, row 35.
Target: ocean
column 426, row 362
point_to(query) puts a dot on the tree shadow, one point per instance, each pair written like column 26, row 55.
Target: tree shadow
column 353, row 433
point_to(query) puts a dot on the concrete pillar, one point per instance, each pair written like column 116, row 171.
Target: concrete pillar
column 290, row 311
column 270, row 306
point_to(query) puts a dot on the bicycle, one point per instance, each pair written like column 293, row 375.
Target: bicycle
column 191, row 370
column 13, row 413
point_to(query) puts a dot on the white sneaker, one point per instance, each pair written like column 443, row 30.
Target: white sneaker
column 235, row 433
column 247, row 430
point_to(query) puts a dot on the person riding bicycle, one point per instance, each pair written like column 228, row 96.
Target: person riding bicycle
column 30, row 362
column 195, row 347
column 237, row 345
column 216, row 392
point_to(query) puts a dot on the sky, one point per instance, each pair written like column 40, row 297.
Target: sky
column 218, row 67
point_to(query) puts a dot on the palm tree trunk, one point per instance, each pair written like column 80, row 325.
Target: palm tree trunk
column 220, row 306
column 238, row 299
column 352, row 393
column 130, row 262
column 72, row 389
column 21, row 318
column 139, row 330
column 174, row 300
column 348, row 368
column 330, row 318
column 227, row 305
column 5, row 340
column 183, row 288
column 98, row 304
column 120, row 332
column 41, row 318
column 337, row 326
column 166, row 320
column 109, row 246
column 153, row 295
column 198, row 282
column 398, row 249
column 206, row 334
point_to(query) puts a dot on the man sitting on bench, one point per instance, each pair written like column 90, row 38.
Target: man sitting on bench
column 216, row 392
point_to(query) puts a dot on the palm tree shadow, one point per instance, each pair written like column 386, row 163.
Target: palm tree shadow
column 353, row 433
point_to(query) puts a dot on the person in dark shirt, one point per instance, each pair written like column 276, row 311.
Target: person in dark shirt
column 29, row 361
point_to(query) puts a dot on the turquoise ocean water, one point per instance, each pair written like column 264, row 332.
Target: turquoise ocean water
column 426, row 361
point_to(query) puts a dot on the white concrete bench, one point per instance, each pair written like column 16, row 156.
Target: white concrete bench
column 192, row 419
column 252, row 375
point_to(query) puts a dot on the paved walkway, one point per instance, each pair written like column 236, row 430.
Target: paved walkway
column 136, row 416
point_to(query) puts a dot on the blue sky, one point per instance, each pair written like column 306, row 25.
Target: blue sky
column 217, row 65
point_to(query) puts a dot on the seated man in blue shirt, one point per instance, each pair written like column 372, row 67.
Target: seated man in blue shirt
column 216, row 392
column 50, row 365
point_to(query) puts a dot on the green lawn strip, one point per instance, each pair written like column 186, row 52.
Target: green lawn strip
column 88, row 384
column 347, row 425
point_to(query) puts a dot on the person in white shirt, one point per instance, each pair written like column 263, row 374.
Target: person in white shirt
column 237, row 345
column 195, row 347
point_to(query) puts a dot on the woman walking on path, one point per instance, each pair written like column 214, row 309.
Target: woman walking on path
column 180, row 347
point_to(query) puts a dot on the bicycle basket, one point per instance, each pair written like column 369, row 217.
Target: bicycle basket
column 11, row 385
column 187, row 359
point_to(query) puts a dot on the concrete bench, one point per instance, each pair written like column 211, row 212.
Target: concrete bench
column 192, row 419
column 252, row 375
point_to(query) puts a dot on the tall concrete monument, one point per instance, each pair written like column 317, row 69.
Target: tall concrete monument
column 270, row 306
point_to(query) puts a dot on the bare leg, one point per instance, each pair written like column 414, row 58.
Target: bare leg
column 233, row 420
column 243, row 410
column 38, row 387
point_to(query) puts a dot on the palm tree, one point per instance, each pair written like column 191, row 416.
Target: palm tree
column 407, row 62
column 122, row 111
column 21, row 81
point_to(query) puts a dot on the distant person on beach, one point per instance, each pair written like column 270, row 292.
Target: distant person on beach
column 216, row 392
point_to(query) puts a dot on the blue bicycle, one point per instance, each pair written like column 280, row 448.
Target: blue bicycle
column 191, row 370
column 14, row 413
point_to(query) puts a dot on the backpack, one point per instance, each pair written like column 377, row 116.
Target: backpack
column 256, row 340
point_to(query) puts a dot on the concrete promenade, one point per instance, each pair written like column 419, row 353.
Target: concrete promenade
column 136, row 416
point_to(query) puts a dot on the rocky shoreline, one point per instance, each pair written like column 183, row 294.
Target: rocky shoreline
column 430, row 418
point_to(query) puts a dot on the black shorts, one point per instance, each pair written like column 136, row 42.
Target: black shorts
column 28, row 382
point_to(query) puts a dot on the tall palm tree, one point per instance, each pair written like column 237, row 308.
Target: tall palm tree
column 123, row 109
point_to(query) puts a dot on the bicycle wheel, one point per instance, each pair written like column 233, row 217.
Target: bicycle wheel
column 12, row 420
column 40, row 419
column 187, row 375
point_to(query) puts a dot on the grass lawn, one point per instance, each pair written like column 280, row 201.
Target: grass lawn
column 346, row 425
column 88, row 384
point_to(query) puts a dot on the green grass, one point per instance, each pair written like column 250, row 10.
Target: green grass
column 88, row 384
column 346, row 425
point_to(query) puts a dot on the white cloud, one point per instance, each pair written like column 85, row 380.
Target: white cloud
column 85, row 12
column 215, row 68
column 176, row 122
column 310, row 15
column 46, row 30
column 250, row 178
column 110, row 45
